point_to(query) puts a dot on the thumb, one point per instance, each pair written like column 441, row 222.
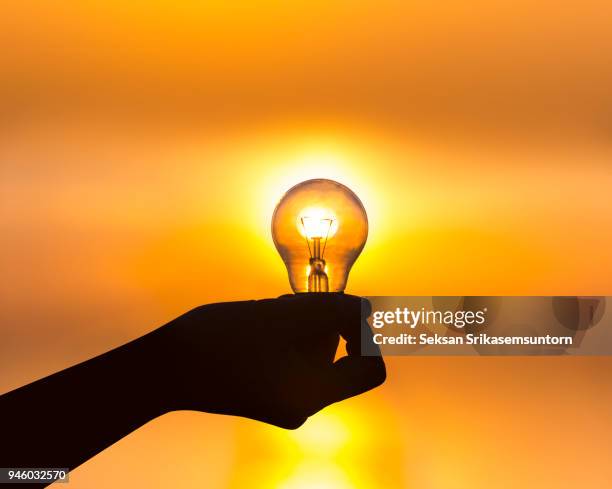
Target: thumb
column 354, row 375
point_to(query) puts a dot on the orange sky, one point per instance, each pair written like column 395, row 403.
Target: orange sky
column 143, row 146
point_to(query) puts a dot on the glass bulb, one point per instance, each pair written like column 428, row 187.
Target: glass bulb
column 319, row 228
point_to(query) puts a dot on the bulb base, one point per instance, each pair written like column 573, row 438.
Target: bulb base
column 317, row 278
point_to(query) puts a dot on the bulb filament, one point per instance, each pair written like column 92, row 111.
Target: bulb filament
column 314, row 229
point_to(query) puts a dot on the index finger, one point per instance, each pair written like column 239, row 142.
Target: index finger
column 354, row 327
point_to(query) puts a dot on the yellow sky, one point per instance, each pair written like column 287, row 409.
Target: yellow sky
column 143, row 146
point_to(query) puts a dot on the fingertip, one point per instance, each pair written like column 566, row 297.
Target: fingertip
column 293, row 423
column 356, row 302
column 326, row 299
column 338, row 308
column 356, row 375
column 378, row 371
column 366, row 307
column 348, row 298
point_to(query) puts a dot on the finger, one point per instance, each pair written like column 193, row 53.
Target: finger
column 323, row 311
column 323, row 315
column 354, row 327
column 354, row 375
column 318, row 320
column 331, row 303
column 317, row 348
column 303, row 322
column 318, row 315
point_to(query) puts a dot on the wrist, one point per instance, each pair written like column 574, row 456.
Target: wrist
column 140, row 378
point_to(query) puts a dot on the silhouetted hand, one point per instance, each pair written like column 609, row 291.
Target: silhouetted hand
column 271, row 360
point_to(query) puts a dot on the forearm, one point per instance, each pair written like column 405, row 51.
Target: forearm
column 68, row 417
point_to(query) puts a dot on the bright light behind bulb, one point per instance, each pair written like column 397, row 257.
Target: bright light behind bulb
column 304, row 222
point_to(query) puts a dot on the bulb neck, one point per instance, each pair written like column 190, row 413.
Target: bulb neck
column 317, row 278
column 316, row 248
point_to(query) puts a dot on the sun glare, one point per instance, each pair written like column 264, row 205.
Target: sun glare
column 317, row 475
column 284, row 166
column 323, row 436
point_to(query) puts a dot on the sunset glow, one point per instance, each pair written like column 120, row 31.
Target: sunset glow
column 145, row 145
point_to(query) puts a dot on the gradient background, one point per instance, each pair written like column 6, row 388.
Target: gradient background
column 143, row 146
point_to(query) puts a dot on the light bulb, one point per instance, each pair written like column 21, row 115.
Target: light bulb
column 319, row 228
